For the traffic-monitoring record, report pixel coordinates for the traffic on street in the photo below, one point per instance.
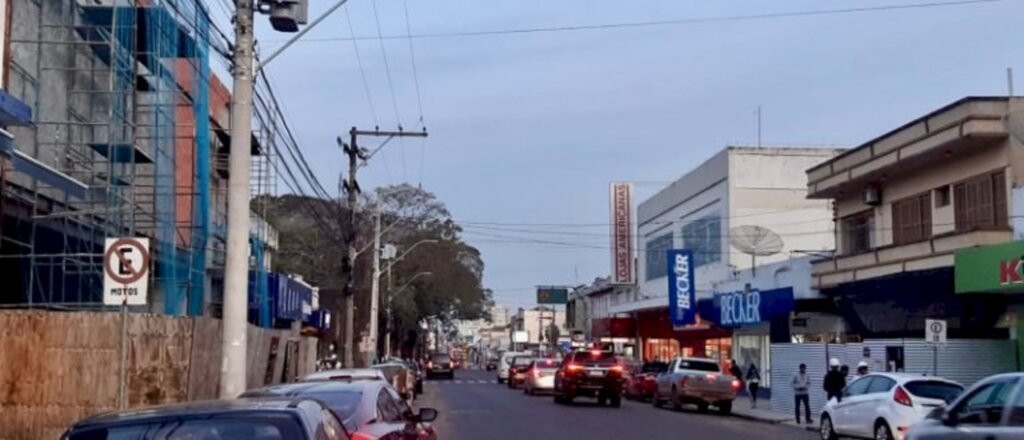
(475, 406)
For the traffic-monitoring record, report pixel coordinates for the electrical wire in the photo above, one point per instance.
(412, 57)
(387, 66)
(362, 71)
(681, 21)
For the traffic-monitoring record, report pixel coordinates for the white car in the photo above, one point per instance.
(506, 362)
(540, 376)
(991, 409)
(883, 406)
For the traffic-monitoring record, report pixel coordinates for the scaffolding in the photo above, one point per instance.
(121, 146)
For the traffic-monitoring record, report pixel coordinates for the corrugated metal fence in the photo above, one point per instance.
(965, 361)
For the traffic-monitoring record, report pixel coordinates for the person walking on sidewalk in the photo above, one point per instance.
(834, 381)
(736, 371)
(753, 383)
(801, 383)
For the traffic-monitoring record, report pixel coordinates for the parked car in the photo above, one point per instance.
(517, 370)
(440, 365)
(884, 405)
(506, 362)
(592, 374)
(369, 410)
(695, 381)
(643, 380)
(272, 419)
(400, 377)
(348, 374)
(991, 409)
(540, 376)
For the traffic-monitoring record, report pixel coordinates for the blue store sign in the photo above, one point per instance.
(751, 306)
(682, 292)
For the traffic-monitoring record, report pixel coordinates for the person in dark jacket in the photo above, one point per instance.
(834, 381)
(753, 383)
(736, 371)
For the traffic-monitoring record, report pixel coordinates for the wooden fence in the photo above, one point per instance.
(56, 367)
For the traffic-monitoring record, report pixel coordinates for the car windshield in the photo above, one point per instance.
(546, 364)
(249, 428)
(343, 403)
(653, 367)
(934, 389)
(441, 358)
(596, 358)
(522, 361)
(698, 365)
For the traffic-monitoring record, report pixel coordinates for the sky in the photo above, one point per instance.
(528, 129)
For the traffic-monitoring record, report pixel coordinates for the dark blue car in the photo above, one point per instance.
(243, 419)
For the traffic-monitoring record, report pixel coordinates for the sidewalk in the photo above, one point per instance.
(743, 410)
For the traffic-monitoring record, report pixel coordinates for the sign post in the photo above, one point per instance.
(935, 335)
(125, 283)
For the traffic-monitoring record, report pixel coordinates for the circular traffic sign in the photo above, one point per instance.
(937, 327)
(112, 255)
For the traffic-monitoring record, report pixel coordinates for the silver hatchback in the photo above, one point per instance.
(993, 409)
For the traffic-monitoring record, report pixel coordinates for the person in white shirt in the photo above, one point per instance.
(801, 385)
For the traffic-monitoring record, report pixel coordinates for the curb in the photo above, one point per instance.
(755, 418)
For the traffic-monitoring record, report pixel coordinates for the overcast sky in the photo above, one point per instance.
(528, 129)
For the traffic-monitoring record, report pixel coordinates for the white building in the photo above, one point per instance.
(533, 321)
(739, 186)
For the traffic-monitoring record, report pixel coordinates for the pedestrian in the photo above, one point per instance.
(845, 369)
(753, 383)
(735, 371)
(862, 368)
(801, 383)
(834, 381)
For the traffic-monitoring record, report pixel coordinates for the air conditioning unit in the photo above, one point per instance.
(872, 196)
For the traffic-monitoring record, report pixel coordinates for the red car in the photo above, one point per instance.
(644, 380)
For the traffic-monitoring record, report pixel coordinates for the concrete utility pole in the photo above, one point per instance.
(354, 152)
(236, 268)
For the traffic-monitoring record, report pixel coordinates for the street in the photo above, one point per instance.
(473, 406)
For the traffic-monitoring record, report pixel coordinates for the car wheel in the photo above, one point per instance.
(882, 431)
(725, 407)
(826, 430)
(676, 404)
(616, 401)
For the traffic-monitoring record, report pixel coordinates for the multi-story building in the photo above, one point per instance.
(912, 204)
(738, 187)
(536, 323)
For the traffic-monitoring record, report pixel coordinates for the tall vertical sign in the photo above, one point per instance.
(682, 292)
(621, 195)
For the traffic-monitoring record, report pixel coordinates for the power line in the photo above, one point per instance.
(696, 20)
(362, 71)
(387, 67)
(412, 56)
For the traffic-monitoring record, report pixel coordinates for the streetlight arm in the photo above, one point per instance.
(400, 257)
(409, 283)
(304, 30)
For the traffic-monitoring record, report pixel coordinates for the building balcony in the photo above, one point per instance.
(932, 253)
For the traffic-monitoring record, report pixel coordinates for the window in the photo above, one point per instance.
(857, 232)
(880, 385)
(912, 219)
(343, 403)
(985, 405)
(331, 429)
(255, 427)
(387, 411)
(858, 387)
(704, 237)
(980, 203)
(942, 196)
(934, 389)
(699, 366)
(655, 261)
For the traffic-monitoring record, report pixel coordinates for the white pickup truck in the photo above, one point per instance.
(696, 381)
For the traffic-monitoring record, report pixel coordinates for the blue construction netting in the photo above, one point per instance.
(201, 201)
(159, 59)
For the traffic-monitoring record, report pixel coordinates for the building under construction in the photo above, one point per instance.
(114, 127)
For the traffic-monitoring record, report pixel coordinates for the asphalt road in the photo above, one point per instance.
(474, 406)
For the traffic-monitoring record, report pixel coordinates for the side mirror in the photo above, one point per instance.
(426, 415)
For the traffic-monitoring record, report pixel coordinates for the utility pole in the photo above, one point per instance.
(236, 268)
(354, 152)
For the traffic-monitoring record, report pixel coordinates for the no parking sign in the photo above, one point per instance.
(126, 271)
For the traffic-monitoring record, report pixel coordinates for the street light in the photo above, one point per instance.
(391, 295)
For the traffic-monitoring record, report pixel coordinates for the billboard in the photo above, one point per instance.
(621, 195)
(552, 295)
(682, 292)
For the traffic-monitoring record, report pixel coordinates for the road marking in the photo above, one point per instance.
(458, 381)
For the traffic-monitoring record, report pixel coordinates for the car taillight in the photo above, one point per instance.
(430, 364)
(536, 373)
(736, 384)
(572, 368)
(362, 436)
(902, 397)
(616, 369)
(683, 381)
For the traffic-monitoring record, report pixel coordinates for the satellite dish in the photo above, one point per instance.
(756, 241)
(1014, 123)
